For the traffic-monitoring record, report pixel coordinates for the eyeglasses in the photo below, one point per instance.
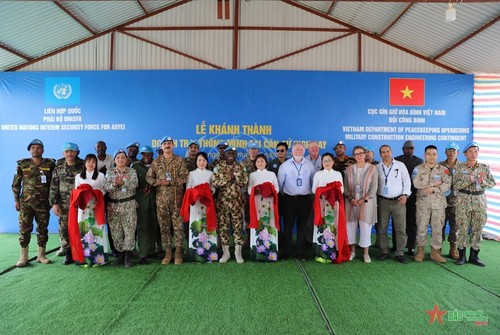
(280, 150)
(359, 154)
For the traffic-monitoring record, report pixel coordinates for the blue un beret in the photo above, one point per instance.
(133, 144)
(452, 145)
(470, 145)
(69, 146)
(166, 139)
(119, 151)
(252, 145)
(231, 149)
(35, 141)
(146, 148)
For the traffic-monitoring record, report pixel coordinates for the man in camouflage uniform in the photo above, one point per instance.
(431, 181)
(168, 174)
(132, 151)
(470, 181)
(31, 195)
(148, 230)
(249, 164)
(63, 182)
(190, 160)
(451, 162)
(341, 161)
(230, 177)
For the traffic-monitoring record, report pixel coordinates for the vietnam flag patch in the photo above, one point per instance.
(406, 92)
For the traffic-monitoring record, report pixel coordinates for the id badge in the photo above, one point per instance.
(123, 190)
(386, 190)
(299, 181)
(358, 189)
(43, 179)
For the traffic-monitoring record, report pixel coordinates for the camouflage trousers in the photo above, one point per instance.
(471, 219)
(41, 214)
(122, 221)
(63, 231)
(451, 219)
(434, 217)
(230, 214)
(168, 217)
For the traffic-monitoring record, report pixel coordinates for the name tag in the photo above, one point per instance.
(299, 182)
(43, 179)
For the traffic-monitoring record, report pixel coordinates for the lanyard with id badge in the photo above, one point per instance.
(43, 177)
(299, 180)
(386, 189)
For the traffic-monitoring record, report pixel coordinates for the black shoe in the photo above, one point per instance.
(461, 257)
(411, 252)
(402, 259)
(143, 261)
(128, 259)
(393, 249)
(300, 257)
(383, 257)
(68, 258)
(119, 258)
(474, 259)
(284, 257)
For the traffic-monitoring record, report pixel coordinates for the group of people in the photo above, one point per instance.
(129, 207)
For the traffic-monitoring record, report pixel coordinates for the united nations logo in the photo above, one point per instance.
(62, 91)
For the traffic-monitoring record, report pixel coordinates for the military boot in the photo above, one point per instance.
(68, 257)
(461, 257)
(419, 257)
(474, 259)
(436, 256)
(40, 257)
(128, 259)
(237, 253)
(23, 259)
(453, 251)
(225, 254)
(119, 258)
(168, 256)
(178, 256)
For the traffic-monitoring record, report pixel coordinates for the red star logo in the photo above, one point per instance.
(434, 314)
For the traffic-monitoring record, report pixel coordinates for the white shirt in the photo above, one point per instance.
(261, 176)
(316, 162)
(197, 177)
(97, 184)
(393, 180)
(108, 161)
(324, 177)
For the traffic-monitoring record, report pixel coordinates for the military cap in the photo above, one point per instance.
(69, 146)
(252, 145)
(146, 148)
(452, 145)
(133, 144)
(369, 148)
(222, 144)
(338, 143)
(166, 139)
(34, 142)
(230, 149)
(119, 151)
(193, 142)
(470, 145)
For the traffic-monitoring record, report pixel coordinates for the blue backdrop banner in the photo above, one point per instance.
(266, 107)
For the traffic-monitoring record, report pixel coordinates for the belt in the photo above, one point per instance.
(117, 201)
(396, 198)
(297, 195)
(472, 193)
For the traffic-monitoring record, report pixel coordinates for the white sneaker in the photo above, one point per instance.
(367, 258)
(353, 255)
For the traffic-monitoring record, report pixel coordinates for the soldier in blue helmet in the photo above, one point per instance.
(470, 182)
(31, 187)
(148, 231)
(132, 151)
(61, 186)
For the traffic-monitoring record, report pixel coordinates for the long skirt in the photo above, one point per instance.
(94, 237)
(264, 239)
(325, 236)
(202, 243)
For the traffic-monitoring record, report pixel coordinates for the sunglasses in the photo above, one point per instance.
(280, 150)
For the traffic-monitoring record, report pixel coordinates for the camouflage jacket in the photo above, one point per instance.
(450, 196)
(63, 182)
(32, 183)
(461, 178)
(423, 176)
(230, 188)
(190, 163)
(173, 167)
(249, 165)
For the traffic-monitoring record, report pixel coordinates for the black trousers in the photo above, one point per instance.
(296, 210)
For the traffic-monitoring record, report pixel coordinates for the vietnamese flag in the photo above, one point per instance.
(406, 92)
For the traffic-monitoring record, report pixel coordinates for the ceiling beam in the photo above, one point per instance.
(315, 29)
(74, 17)
(466, 38)
(396, 20)
(15, 52)
(380, 39)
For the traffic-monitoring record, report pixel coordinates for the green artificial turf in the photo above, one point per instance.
(251, 298)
